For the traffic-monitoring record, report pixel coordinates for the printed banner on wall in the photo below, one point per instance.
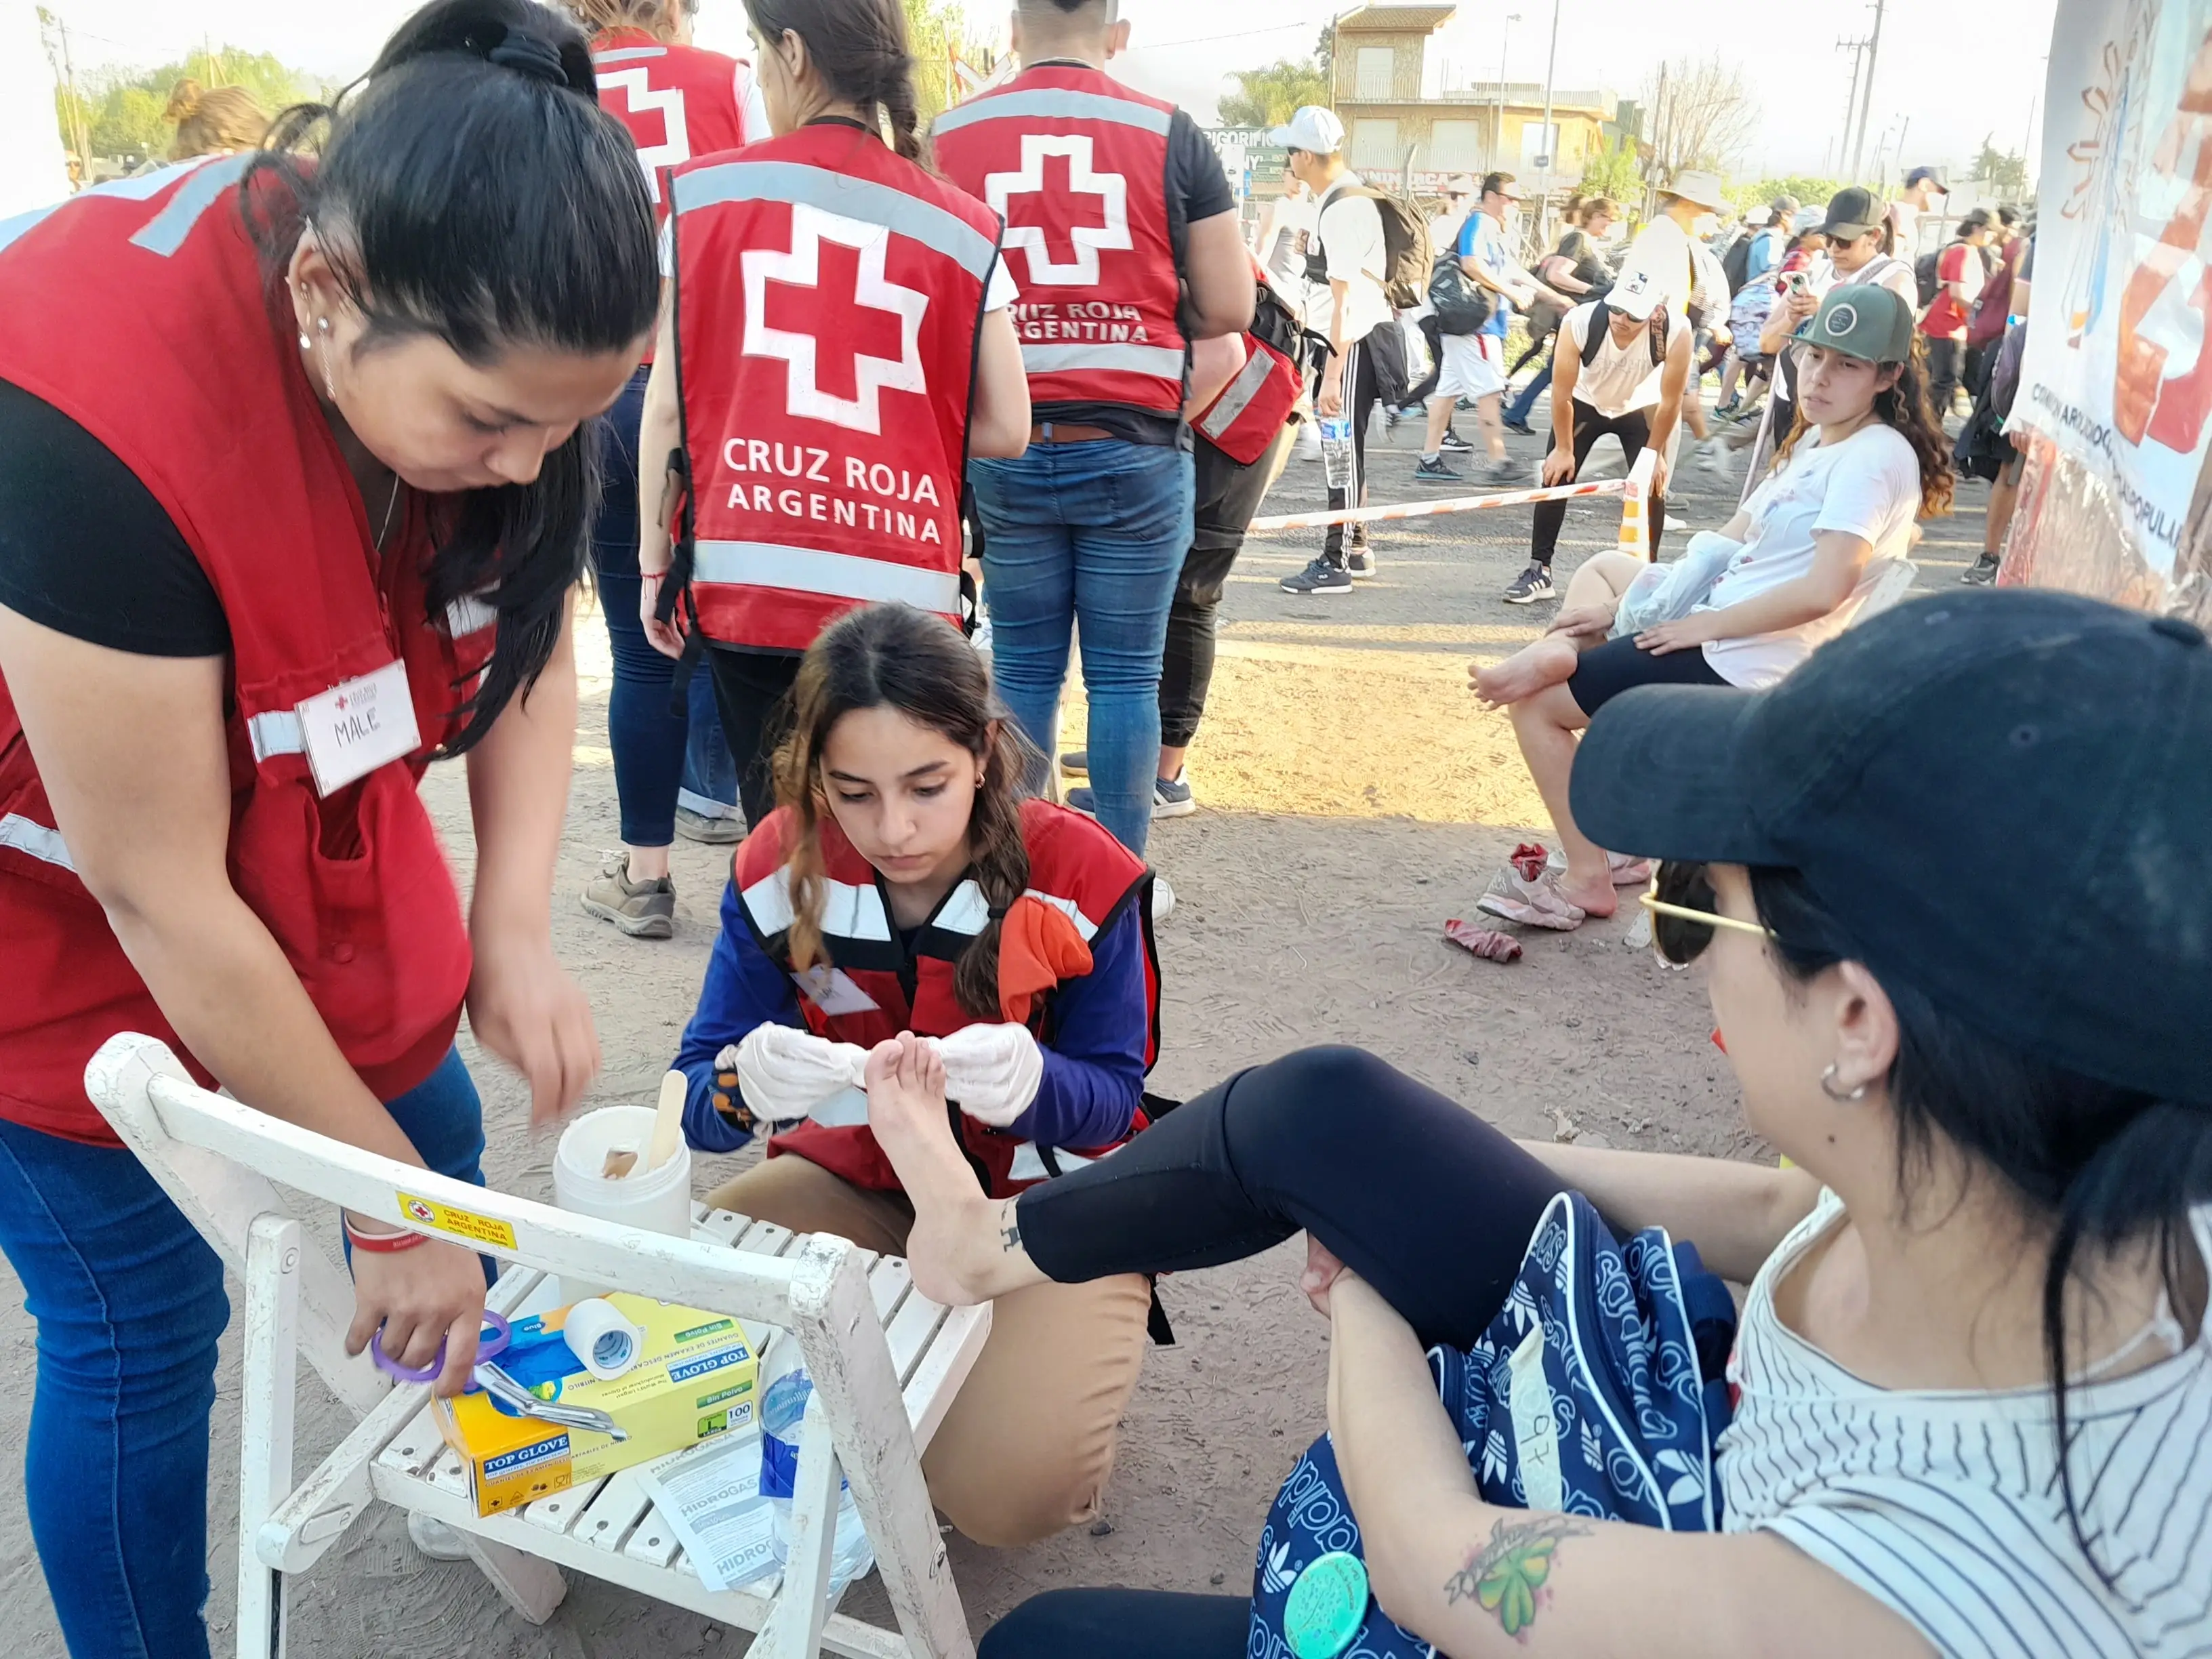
(2117, 378)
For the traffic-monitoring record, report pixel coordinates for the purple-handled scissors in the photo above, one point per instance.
(487, 1348)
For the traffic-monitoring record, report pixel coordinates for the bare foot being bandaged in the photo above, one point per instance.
(965, 1246)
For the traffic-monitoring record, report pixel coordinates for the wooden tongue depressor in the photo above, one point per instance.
(619, 1161)
(668, 1120)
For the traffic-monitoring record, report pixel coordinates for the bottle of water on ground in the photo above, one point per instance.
(785, 1387)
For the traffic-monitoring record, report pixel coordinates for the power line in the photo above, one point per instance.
(1233, 34)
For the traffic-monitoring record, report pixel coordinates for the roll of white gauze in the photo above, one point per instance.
(604, 1343)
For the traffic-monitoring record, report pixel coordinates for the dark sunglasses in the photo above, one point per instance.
(1685, 912)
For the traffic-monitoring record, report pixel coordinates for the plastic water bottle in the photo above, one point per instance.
(785, 1387)
(1336, 450)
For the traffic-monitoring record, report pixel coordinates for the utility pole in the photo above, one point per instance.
(1858, 50)
(81, 140)
(1497, 132)
(1866, 90)
(1551, 137)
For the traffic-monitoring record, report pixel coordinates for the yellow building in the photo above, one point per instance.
(1404, 131)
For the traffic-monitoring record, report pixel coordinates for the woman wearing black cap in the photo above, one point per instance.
(1993, 1245)
(304, 511)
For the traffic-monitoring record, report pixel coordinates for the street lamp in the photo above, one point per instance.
(1498, 132)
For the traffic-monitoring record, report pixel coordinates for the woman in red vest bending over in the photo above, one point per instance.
(902, 884)
(672, 770)
(302, 511)
(838, 346)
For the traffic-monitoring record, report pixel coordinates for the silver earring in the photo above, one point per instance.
(306, 344)
(1828, 1086)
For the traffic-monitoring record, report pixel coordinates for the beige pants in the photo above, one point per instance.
(1028, 1446)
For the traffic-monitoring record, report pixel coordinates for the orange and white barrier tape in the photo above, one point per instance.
(1634, 491)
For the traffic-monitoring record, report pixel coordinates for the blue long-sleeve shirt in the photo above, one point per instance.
(1094, 1070)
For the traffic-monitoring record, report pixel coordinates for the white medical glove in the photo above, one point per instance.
(784, 1072)
(993, 1071)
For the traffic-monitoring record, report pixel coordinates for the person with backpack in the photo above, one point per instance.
(1621, 366)
(1370, 254)
(1577, 267)
(1993, 310)
(1958, 275)
(1474, 293)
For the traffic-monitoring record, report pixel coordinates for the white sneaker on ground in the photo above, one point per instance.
(1163, 899)
(1525, 890)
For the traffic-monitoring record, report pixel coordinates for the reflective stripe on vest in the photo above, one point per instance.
(1134, 359)
(848, 911)
(627, 55)
(30, 836)
(1237, 395)
(164, 233)
(965, 910)
(840, 194)
(832, 575)
(277, 731)
(1053, 104)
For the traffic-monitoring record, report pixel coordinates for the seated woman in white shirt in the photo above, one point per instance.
(1862, 463)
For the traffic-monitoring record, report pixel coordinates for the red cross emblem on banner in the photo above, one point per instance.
(1057, 171)
(867, 341)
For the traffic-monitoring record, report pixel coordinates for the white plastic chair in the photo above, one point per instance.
(1889, 585)
(886, 1363)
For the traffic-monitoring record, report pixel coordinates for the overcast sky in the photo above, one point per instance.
(1954, 70)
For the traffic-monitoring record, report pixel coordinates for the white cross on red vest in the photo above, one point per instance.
(1056, 170)
(825, 331)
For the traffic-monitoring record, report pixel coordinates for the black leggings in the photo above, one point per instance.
(1415, 1194)
(1228, 495)
(752, 692)
(1634, 431)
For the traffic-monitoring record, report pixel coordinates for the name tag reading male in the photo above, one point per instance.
(357, 726)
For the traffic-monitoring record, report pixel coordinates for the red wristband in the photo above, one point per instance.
(382, 1244)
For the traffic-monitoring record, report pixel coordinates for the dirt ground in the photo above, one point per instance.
(1355, 796)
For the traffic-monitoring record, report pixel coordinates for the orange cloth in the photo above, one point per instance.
(1038, 949)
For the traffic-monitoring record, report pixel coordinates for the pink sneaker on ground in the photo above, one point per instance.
(1525, 892)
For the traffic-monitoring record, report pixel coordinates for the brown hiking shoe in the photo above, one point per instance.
(643, 909)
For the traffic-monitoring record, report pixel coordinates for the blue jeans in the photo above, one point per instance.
(1517, 410)
(130, 1305)
(662, 759)
(1088, 535)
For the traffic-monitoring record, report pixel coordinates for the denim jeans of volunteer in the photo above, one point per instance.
(663, 760)
(130, 1305)
(1089, 537)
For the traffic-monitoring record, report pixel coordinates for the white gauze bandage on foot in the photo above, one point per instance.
(787, 1074)
(993, 1072)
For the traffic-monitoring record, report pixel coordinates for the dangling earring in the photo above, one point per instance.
(1828, 1086)
(323, 327)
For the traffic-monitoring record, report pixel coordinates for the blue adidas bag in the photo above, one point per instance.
(1597, 1390)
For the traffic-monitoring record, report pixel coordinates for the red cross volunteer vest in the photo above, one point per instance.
(1075, 866)
(1077, 164)
(193, 384)
(828, 297)
(677, 101)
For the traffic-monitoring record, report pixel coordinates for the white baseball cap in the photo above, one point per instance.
(1636, 295)
(1312, 128)
(1699, 187)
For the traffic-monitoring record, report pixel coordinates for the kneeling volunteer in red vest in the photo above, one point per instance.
(837, 346)
(930, 897)
(301, 512)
